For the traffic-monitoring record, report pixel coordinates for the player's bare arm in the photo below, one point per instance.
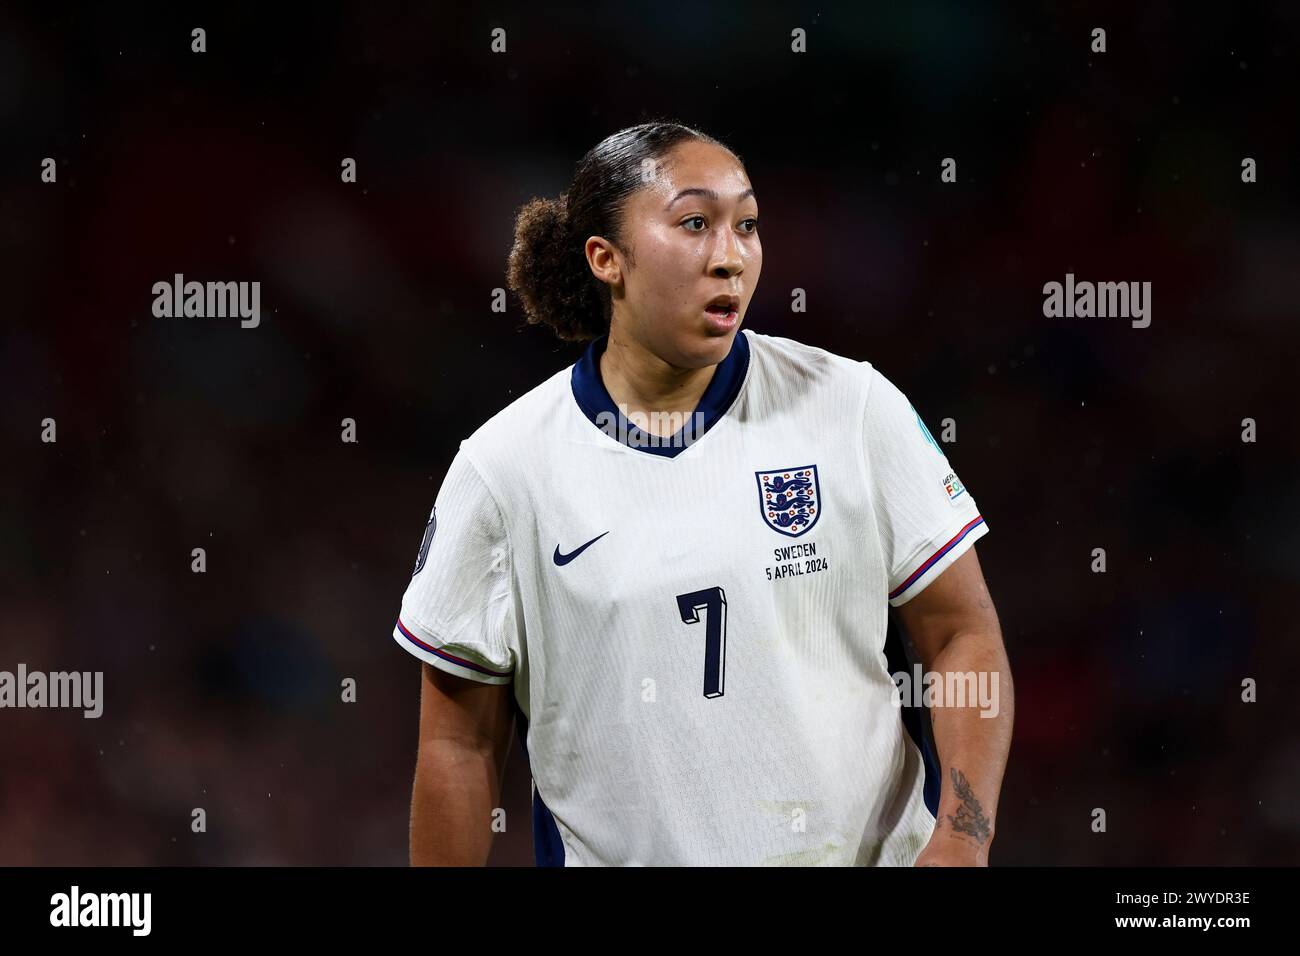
(465, 732)
(954, 627)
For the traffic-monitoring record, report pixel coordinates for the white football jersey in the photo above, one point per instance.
(694, 630)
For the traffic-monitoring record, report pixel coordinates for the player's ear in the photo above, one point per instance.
(602, 257)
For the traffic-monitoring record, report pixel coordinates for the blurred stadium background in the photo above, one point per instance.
(222, 689)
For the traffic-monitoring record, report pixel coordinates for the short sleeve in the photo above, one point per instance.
(458, 612)
(926, 517)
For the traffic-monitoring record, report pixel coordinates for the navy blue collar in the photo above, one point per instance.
(594, 399)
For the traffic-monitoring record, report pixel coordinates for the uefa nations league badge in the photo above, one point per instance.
(789, 499)
(429, 528)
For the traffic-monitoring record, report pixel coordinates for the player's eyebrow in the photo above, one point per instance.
(707, 194)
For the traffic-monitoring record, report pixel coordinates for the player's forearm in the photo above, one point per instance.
(973, 737)
(456, 789)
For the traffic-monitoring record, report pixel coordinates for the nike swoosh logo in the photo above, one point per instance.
(562, 559)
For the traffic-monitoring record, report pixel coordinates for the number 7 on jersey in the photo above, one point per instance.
(713, 601)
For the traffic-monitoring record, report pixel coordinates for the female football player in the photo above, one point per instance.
(674, 562)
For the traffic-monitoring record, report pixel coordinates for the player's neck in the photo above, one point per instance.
(639, 381)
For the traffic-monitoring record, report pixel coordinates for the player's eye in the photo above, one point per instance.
(753, 224)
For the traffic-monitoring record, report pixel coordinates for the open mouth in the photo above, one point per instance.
(724, 308)
(723, 318)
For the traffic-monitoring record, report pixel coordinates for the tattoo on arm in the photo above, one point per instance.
(969, 818)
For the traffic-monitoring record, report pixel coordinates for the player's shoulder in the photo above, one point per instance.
(789, 367)
(780, 351)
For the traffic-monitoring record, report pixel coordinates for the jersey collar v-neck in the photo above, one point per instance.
(594, 399)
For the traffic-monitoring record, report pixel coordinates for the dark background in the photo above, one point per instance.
(222, 690)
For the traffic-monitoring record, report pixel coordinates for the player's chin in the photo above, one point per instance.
(709, 349)
(699, 343)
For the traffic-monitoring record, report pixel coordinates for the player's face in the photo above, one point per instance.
(694, 237)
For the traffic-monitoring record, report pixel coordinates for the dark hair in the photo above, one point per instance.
(548, 268)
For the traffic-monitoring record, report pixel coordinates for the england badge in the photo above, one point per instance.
(789, 499)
